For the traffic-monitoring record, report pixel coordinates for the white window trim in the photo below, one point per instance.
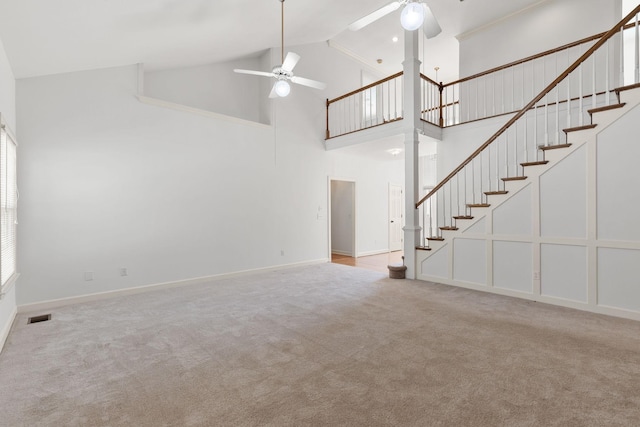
(11, 281)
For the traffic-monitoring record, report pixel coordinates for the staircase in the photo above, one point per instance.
(524, 241)
(601, 117)
(524, 215)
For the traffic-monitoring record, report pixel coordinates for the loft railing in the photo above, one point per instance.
(498, 91)
(505, 89)
(564, 103)
(373, 105)
(431, 101)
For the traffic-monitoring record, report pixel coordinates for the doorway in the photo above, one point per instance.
(342, 222)
(396, 219)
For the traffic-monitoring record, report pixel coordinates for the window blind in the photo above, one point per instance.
(8, 207)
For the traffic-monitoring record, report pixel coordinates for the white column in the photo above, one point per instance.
(411, 123)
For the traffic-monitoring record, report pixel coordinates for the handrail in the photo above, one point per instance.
(614, 30)
(429, 80)
(362, 89)
(533, 57)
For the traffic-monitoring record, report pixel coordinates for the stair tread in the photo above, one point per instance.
(628, 87)
(423, 248)
(449, 228)
(578, 128)
(438, 239)
(478, 205)
(553, 147)
(514, 178)
(606, 108)
(539, 162)
(463, 217)
(495, 193)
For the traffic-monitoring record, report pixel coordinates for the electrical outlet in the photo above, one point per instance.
(282, 252)
(536, 275)
(123, 271)
(88, 276)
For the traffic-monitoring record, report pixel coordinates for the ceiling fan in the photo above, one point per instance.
(414, 15)
(284, 73)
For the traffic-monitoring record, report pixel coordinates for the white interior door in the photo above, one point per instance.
(395, 217)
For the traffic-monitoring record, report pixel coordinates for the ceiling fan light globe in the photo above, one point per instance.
(282, 88)
(412, 16)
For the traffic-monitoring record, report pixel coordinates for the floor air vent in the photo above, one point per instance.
(38, 319)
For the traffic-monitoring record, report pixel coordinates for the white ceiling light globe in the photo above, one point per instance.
(412, 16)
(282, 88)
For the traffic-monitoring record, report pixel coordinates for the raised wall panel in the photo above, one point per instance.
(618, 189)
(470, 261)
(479, 227)
(437, 265)
(563, 197)
(513, 217)
(619, 278)
(563, 272)
(512, 266)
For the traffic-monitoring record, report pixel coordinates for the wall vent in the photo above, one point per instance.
(38, 319)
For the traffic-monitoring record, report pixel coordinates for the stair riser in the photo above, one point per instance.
(630, 97)
(603, 118)
(579, 137)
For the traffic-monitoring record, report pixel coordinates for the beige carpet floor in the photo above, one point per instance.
(326, 345)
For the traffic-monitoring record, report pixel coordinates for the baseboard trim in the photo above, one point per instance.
(596, 309)
(345, 253)
(51, 304)
(377, 252)
(4, 334)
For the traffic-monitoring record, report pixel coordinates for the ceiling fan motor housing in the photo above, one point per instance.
(282, 74)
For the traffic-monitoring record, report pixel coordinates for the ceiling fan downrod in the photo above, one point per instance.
(282, 32)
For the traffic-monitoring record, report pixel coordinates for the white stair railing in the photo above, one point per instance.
(542, 124)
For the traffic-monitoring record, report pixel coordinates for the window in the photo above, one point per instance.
(8, 207)
(369, 101)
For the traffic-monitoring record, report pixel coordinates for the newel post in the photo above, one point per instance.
(327, 132)
(441, 119)
(411, 122)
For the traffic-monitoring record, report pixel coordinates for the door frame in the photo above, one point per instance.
(353, 214)
(391, 184)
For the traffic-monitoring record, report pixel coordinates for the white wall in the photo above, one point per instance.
(108, 182)
(546, 26)
(8, 112)
(235, 97)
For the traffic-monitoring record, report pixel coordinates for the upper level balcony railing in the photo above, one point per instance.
(373, 105)
(501, 90)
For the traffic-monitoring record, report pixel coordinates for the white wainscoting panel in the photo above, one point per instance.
(564, 272)
(563, 197)
(513, 266)
(437, 265)
(479, 227)
(618, 185)
(619, 278)
(470, 261)
(513, 217)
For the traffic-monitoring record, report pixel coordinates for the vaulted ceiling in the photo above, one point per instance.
(46, 37)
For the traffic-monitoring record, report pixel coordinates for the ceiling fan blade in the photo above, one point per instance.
(430, 27)
(273, 93)
(290, 61)
(374, 16)
(256, 73)
(308, 82)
